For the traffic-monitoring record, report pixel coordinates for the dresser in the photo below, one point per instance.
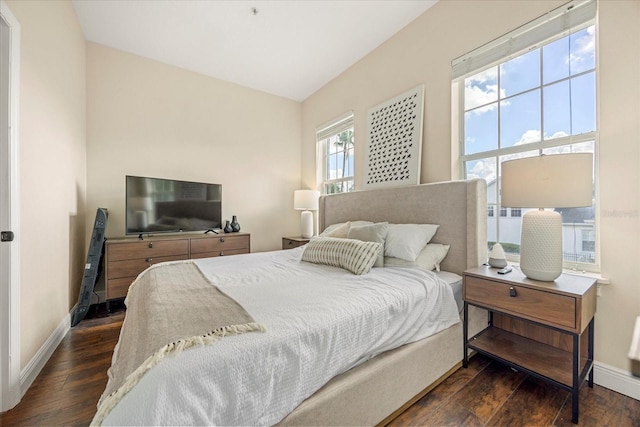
(126, 258)
(545, 329)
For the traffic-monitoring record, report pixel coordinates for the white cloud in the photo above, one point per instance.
(528, 137)
(483, 169)
(583, 51)
(481, 89)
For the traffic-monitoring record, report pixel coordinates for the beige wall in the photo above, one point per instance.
(619, 192)
(52, 167)
(150, 119)
(422, 52)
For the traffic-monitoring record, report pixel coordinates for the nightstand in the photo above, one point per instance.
(294, 242)
(545, 329)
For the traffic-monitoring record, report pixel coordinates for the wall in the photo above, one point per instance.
(422, 52)
(619, 192)
(150, 119)
(52, 167)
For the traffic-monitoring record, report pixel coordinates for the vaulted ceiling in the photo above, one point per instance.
(286, 48)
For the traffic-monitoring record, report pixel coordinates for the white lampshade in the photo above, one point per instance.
(556, 181)
(306, 200)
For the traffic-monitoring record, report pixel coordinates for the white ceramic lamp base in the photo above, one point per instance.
(541, 245)
(306, 224)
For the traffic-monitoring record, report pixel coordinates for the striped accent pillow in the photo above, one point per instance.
(354, 255)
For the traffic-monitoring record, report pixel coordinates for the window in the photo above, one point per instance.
(336, 155)
(541, 100)
(490, 210)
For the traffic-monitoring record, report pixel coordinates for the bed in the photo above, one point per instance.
(378, 386)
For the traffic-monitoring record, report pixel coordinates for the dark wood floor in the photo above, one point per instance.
(485, 394)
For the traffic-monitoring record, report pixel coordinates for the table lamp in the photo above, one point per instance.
(548, 181)
(306, 201)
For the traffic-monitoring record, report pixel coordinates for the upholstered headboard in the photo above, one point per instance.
(459, 207)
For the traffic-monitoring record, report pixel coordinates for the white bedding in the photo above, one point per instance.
(320, 321)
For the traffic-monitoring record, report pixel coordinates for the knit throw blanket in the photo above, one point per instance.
(170, 307)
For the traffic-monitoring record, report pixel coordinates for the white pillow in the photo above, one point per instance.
(430, 258)
(337, 230)
(370, 233)
(355, 256)
(341, 229)
(405, 241)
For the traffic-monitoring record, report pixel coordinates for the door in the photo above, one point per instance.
(9, 213)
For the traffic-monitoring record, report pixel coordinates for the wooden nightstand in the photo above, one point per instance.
(545, 329)
(294, 242)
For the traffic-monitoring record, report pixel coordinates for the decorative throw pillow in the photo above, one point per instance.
(353, 255)
(430, 258)
(405, 241)
(370, 233)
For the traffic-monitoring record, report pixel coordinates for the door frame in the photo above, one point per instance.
(10, 387)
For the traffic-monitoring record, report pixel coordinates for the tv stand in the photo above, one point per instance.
(128, 257)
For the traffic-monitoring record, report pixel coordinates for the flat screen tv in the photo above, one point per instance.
(155, 205)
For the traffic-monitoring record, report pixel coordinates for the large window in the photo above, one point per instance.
(541, 100)
(336, 155)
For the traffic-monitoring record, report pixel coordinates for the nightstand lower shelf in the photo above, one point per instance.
(540, 360)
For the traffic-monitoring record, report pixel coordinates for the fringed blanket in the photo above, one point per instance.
(170, 307)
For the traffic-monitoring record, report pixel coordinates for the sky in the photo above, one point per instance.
(503, 103)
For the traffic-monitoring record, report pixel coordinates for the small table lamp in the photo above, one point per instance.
(553, 181)
(306, 201)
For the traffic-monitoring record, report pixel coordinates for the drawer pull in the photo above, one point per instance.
(222, 240)
(512, 291)
(150, 245)
(149, 260)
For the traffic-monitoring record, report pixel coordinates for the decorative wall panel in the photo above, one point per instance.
(394, 141)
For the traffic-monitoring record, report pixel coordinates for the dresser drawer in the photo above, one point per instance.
(545, 307)
(118, 288)
(132, 267)
(219, 245)
(148, 249)
(220, 253)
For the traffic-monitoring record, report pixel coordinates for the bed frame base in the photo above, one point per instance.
(419, 396)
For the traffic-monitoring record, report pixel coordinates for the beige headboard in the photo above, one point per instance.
(460, 207)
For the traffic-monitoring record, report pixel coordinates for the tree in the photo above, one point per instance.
(345, 142)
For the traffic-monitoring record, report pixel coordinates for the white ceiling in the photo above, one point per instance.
(288, 48)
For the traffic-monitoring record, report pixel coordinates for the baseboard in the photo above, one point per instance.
(617, 380)
(35, 365)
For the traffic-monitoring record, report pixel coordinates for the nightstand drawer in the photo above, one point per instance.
(293, 242)
(545, 307)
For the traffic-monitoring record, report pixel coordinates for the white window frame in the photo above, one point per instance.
(323, 133)
(557, 24)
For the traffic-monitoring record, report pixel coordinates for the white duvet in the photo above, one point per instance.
(320, 320)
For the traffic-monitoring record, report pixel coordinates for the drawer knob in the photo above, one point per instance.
(149, 259)
(150, 245)
(512, 291)
(222, 240)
